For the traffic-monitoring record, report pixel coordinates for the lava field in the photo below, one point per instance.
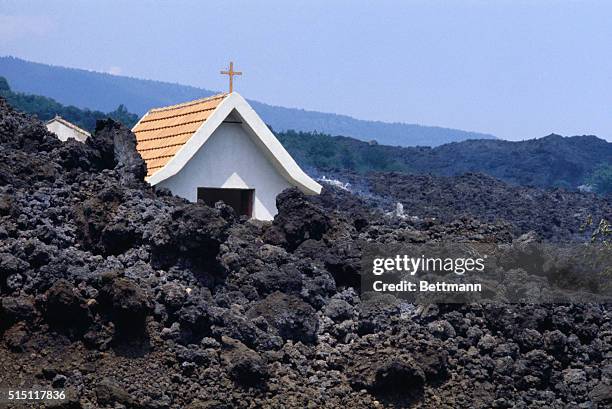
(127, 297)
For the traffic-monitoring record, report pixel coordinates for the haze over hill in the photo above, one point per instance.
(104, 92)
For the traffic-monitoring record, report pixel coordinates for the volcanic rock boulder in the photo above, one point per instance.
(343, 260)
(389, 374)
(6, 204)
(376, 312)
(173, 296)
(235, 325)
(111, 147)
(602, 395)
(117, 149)
(534, 370)
(109, 393)
(118, 237)
(194, 321)
(245, 366)
(191, 235)
(65, 309)
(16, 337)
(397, 377)
(9, 265)
(432, 358)
(125, 303)
(297, 220)
(97, 231)
(291, 317)
(74, 157)
(287, 279)
(15, 309)
(23, 132)
(27, 150)
(338, 310)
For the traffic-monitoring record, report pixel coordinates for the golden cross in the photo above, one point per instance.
(231, 74)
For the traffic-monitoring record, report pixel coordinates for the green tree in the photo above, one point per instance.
(601, 178)
(346, 159)
(4, 85)
(121, 114)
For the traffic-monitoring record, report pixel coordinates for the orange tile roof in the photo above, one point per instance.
(162, 132)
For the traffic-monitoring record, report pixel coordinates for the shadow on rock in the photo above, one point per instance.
(65, 310)
(127, 306)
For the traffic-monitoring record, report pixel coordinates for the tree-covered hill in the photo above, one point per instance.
(46, 108)
(552, 161)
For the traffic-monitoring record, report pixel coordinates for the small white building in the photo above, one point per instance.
(218, 148)
(66, 130)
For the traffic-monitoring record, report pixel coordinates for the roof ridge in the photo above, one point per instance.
(189, 103)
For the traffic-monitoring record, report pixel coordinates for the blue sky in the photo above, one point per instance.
(516, 69)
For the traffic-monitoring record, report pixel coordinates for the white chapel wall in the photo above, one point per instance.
(230, 159)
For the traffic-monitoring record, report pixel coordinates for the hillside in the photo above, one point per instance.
(552, 161)
(104, 92)
(555, 214)
(46, 108)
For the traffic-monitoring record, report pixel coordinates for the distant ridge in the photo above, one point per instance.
(104, 92)
(551, 161)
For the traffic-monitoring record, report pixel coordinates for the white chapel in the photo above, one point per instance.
(218, 148)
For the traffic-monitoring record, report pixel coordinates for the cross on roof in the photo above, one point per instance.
(231, 74)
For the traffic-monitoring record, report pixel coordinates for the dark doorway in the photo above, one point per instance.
(241, 200)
